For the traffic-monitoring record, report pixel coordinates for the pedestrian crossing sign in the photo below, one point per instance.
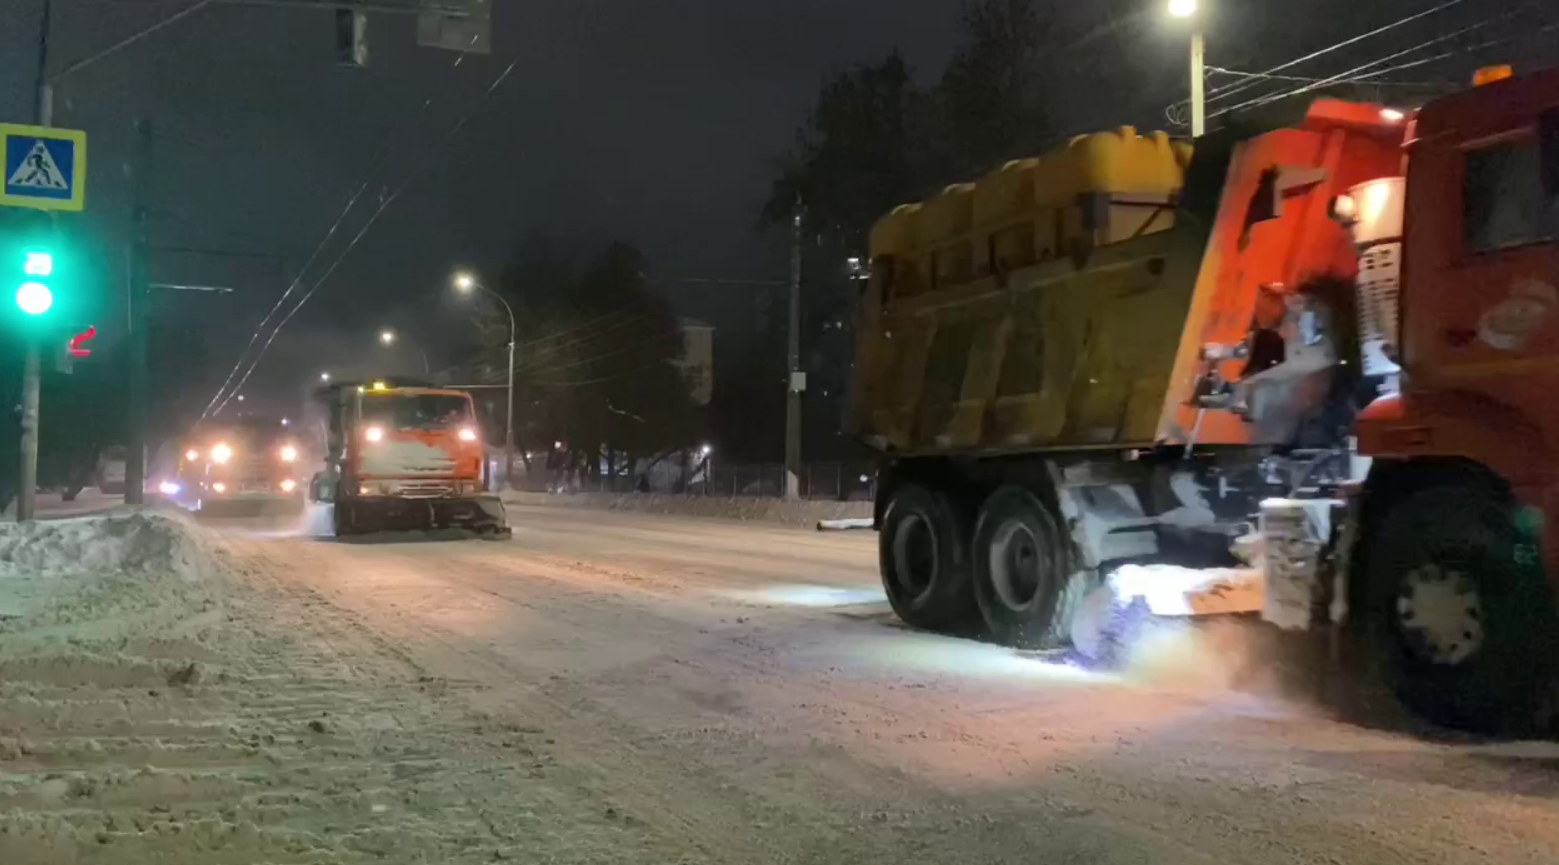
(44, 168)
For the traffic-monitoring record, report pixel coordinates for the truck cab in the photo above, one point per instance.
(256, 459)
(404, 454)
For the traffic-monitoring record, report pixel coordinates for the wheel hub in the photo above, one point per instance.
(1015, 565)
(1440, 614)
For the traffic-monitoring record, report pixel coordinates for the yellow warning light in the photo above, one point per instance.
(1491, 74)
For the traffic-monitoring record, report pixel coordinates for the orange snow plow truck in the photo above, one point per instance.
(404, 455)
(1305, 372)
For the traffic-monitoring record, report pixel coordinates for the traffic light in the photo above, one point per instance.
(77, 347)
(34, 296)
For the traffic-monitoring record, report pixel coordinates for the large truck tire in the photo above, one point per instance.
(923, 554)
(1023, 581)
(1461, 618)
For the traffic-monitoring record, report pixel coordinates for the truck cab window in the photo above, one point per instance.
(1505, 202)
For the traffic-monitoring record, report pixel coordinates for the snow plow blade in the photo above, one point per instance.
(481, 515)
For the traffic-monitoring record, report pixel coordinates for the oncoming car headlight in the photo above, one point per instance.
(289, 454)
(221, 454)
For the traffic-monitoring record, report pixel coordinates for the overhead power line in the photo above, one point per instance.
(380, 159)
(453, 131)
(1361, 72)
(1230, 89)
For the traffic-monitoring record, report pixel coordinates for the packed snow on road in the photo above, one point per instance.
(614, 687)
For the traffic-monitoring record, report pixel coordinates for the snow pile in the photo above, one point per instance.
(99, 577)
(136, 543)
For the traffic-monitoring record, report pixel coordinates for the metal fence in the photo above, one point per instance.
(818, 481)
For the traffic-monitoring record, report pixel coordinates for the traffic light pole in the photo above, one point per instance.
(27, 476)
(139, 297)
(27, 479)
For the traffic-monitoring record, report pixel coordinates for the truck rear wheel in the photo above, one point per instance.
(1463, 618)
(923, 553)
(1021, 578)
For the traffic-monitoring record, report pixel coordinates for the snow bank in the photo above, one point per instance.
(107, 577)
(135, 543)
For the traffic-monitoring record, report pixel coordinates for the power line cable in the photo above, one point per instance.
(377, 164)
(624, 350)
(384, 204)
(1230, 89)
(1355, 72)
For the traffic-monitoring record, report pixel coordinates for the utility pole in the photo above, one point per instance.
(798, 379)
(137, 297)
(1198, 83)
(27, 476)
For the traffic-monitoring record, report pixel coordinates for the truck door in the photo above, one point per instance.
(1483, 315)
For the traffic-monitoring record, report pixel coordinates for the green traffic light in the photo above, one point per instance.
(34, 298)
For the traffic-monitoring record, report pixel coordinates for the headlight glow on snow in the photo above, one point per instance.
(221, 454)
(374, 433)
(289, 454)
(467, 434)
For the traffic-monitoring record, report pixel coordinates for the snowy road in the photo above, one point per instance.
(610, 687)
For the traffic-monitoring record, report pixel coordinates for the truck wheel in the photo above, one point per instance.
(1021, 579)
(923, 555)
(1463, 618)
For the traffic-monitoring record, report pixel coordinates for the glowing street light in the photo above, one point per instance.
(324, 376)
(465, 283)
(387, 337)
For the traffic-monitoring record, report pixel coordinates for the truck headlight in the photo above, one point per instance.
(467, 434)
(221, 454)
(374, 433)
(191, 455)
(289, 454)
(288, 485)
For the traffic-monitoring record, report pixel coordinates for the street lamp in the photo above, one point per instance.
(324, 376)
(1188, 10)
(465, 283)
(387, 337)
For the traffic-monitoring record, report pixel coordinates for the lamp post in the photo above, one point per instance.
(1188, 10)
(465, 283)
(388, 338)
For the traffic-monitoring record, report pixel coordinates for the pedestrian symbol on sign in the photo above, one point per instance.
(42, 167)
(38, 171)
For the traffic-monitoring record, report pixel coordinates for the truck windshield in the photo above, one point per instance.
(417, 411)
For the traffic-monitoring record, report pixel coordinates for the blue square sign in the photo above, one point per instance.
(44, 168)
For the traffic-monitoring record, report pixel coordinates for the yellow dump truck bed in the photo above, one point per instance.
(1063, 301)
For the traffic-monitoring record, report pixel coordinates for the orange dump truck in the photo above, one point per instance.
(1302, 372)
(404, 455)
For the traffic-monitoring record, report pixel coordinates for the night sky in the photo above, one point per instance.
(652, 121)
